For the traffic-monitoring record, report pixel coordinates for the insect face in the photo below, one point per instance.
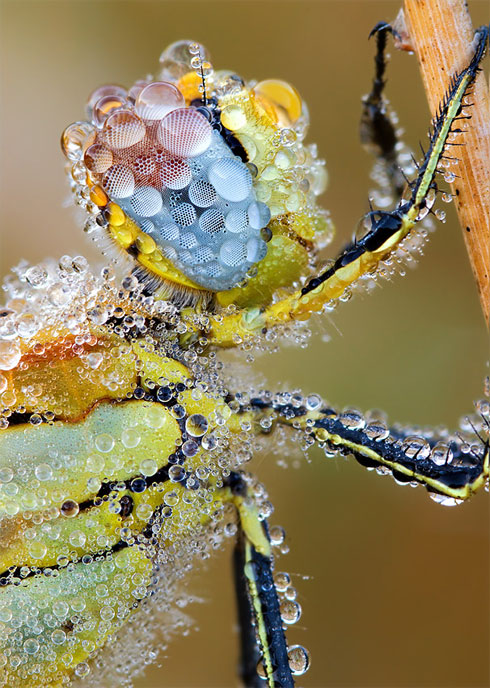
(202, 179)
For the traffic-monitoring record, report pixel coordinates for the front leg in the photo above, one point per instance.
(385, 232)
(377, 131)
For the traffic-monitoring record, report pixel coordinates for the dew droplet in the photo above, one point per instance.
(313, 402)
(290, 611)
(277, 535)
(43, 471)
(148, 467)
(130, 438)
(104, 442)
(69, 508)
(298, 659)
(196, 425)
(415, 447)
(10, 355)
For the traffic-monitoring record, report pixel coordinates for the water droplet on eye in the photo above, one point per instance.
(146, 201)
(196, 425)
(123, 129)
(258, 214)
(73, 139)
(231, 179)
(290, 611)
(298, 659)
(158, 99)
(118, 181)
(185, 132)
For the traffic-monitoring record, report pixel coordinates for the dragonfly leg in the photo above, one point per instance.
(263, 640)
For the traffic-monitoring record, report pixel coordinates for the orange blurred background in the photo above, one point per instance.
(397, 588)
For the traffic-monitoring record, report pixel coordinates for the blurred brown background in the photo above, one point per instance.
(398, 588)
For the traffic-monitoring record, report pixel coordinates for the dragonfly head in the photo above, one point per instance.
(201, 178)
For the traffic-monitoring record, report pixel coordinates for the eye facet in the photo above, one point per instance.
(185, 133)
(231, 179)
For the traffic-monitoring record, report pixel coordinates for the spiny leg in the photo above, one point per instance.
(386, 232)
(257, 599)
(249, 651)
(451, 467)
(377, 131)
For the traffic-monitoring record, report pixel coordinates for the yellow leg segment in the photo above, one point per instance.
(387, 232)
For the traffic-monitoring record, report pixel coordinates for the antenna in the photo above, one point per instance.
(203, 79)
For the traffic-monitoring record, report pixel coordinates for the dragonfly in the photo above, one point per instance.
(135, 293)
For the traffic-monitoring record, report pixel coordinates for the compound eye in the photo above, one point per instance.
(177, 178)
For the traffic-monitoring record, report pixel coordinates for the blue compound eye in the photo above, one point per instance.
(178, 179)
